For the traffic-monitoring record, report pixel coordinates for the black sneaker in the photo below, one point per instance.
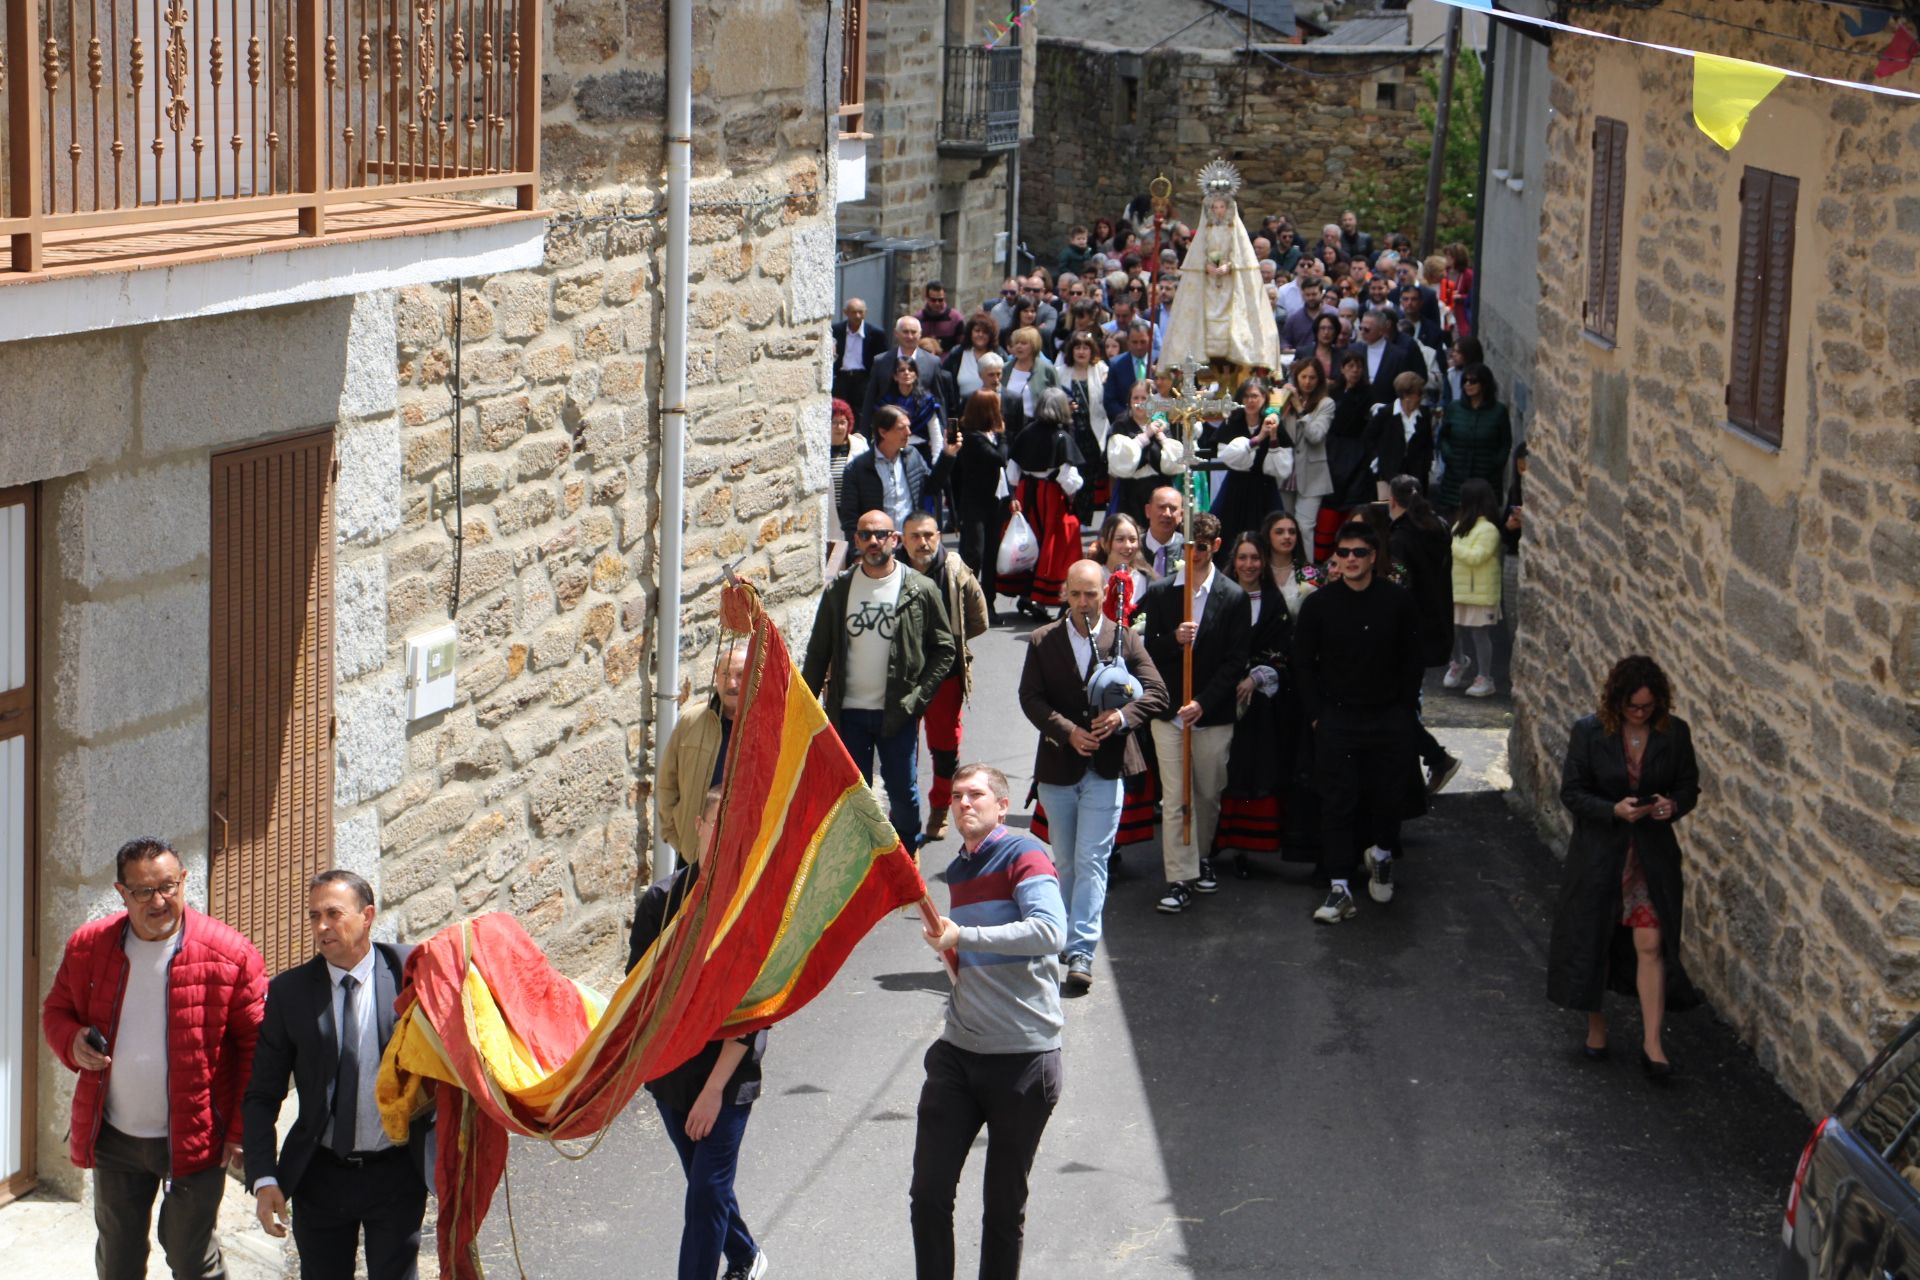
(1338, 906)
(1176, 899)
(1206, 883)
(752, 1271)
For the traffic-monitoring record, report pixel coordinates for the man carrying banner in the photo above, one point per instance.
(997, 1063)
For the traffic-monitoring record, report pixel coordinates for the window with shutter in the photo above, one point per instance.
(1606, 222)
(1762, 305)
(19, 914)
(271, 689)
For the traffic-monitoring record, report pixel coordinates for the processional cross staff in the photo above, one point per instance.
(1187, 409)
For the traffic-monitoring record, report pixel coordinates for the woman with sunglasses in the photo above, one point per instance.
(1476, 437)
(1629, 776)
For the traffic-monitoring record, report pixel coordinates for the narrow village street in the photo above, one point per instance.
(1246, 1094)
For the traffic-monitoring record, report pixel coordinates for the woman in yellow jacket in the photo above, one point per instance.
(1476, 588)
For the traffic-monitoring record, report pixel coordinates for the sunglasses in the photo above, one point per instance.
(1353, 553)
(872, 535)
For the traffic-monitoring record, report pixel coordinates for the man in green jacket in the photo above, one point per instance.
(880, 648)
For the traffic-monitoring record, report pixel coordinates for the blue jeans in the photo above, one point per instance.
(713, 1226)
(1082, 820)
(860, 731)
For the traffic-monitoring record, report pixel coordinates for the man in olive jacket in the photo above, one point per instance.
(880, 648)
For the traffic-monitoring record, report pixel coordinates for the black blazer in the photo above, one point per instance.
(880, 382)
(1053, 696)
(298, 1039)
(873, 341)
(861, 490)
(1387, 444)
(978, 469)
(1401, 356)
(1219, 647)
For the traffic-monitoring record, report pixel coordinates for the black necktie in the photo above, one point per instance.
(346, 1084)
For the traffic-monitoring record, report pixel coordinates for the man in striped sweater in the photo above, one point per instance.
(997, 1062)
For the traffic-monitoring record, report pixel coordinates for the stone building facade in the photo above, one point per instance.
(1778, 584)
(937, 186)
(530, 794)
(1117, 117)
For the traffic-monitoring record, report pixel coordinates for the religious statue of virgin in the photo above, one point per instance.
(1221, 315)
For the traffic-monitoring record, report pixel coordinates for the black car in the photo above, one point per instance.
(1854, 1210)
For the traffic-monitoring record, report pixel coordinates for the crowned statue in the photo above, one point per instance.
(1221, 315)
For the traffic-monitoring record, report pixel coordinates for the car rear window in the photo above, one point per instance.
(1885, 1109)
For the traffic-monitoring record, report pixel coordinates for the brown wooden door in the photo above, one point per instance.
(271, 704)
(19, 913)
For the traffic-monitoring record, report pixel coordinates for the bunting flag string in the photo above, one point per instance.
(997, 32)
(1726, 90)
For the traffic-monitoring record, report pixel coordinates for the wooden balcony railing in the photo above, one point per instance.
(853, 70)
(123, 113)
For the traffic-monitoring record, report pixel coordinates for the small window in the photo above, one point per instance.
(1606, 211)
(1130, 99)
(1385, 96)
(1762, 300)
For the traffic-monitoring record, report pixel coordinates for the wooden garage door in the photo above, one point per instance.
(19, 916)
(271, 731)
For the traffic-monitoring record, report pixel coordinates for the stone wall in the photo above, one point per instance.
(530, 794)
(914, 192)
(125, 423)
(1781, 589)
(1116, 119)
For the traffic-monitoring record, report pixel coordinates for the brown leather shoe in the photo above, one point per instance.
(937, 824)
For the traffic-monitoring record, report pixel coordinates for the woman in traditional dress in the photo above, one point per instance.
(1258, 454)
(1251, 806)
(1296, 578)
(1046, 467)
(1144, 452)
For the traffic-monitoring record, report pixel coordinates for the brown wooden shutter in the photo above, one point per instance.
(1762, 304)
(1606, 217)
(19, 862)
(271, 727)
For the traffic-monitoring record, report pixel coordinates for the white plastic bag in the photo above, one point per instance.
(1019, 549)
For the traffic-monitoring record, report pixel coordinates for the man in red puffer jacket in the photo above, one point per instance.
(157, 1007)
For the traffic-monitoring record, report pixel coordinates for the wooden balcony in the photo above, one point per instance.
(137, 133)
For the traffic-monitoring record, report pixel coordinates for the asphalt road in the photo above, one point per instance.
(1247, 1094)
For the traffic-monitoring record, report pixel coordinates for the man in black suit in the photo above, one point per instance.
(1218, 636)
(327, 1024)
(1354, 242)
(1388, 356)
(853, 356)
(906, 345)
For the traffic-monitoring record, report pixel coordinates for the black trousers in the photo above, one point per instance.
(1012, 1094)
(980, 542)
(1362, 760)
(127, 1172)
(335, 1202)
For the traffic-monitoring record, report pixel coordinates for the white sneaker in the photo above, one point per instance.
(1379, 875)
(1482, 687)
(1456, 675)
(1338, 907)
(752, 1271)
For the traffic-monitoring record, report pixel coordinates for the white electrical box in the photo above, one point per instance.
(430, 671)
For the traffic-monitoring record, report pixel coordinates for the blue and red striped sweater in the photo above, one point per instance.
(1006, 900)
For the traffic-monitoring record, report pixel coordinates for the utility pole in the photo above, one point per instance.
(1443, 111)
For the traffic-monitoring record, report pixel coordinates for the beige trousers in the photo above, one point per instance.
(1182, 859)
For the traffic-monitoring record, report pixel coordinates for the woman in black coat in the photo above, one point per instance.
(1629, 776)
(979, 488)
(1251, 807)
(1418, 540)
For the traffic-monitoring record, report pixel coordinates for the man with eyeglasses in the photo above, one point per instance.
(891, 477)
(1357, 667)
(879, 649)
(158, 1008)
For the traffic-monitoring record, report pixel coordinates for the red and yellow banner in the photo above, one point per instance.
(804, 863)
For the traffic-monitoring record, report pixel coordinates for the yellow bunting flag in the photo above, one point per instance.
(1725, 92)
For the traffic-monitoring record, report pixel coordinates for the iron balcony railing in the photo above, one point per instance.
(980, 107)
(120, 113)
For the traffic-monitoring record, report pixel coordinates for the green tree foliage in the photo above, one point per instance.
(1396, 200)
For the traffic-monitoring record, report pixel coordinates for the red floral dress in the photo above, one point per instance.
(1636, 904)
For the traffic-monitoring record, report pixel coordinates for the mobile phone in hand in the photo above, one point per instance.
(97, 1041)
